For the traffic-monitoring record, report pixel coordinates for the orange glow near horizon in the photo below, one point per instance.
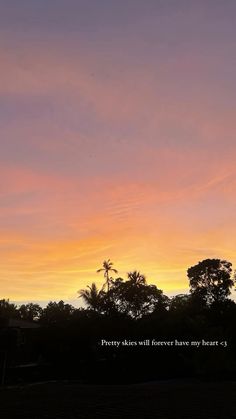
(117, 142)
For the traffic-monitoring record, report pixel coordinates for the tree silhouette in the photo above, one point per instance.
(56, 313)
(210, 280)
(107, 268)
(134, 297)
(92, 296)
(8, 309)
(30, 311)
(68, 339)
(180, 302)
(136, 278)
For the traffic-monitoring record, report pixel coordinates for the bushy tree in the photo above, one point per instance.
(134, 297)
(180, 302)
(8, 309)
(210, 280)
(56, 313)
(30, 311)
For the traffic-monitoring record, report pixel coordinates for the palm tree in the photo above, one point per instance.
(91, 296)
(136, 278)
(107, 268)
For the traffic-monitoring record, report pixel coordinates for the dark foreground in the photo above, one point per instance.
(162, 400)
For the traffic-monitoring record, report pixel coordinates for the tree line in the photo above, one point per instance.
(211, 282)
(67, 341)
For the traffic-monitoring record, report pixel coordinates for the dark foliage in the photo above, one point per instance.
(67, 343)
(210, 280)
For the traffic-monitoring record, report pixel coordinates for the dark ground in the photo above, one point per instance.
(161, 400)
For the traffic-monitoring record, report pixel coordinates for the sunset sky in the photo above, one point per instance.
(118, 124)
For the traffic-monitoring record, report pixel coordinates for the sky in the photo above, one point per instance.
(117, 123)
